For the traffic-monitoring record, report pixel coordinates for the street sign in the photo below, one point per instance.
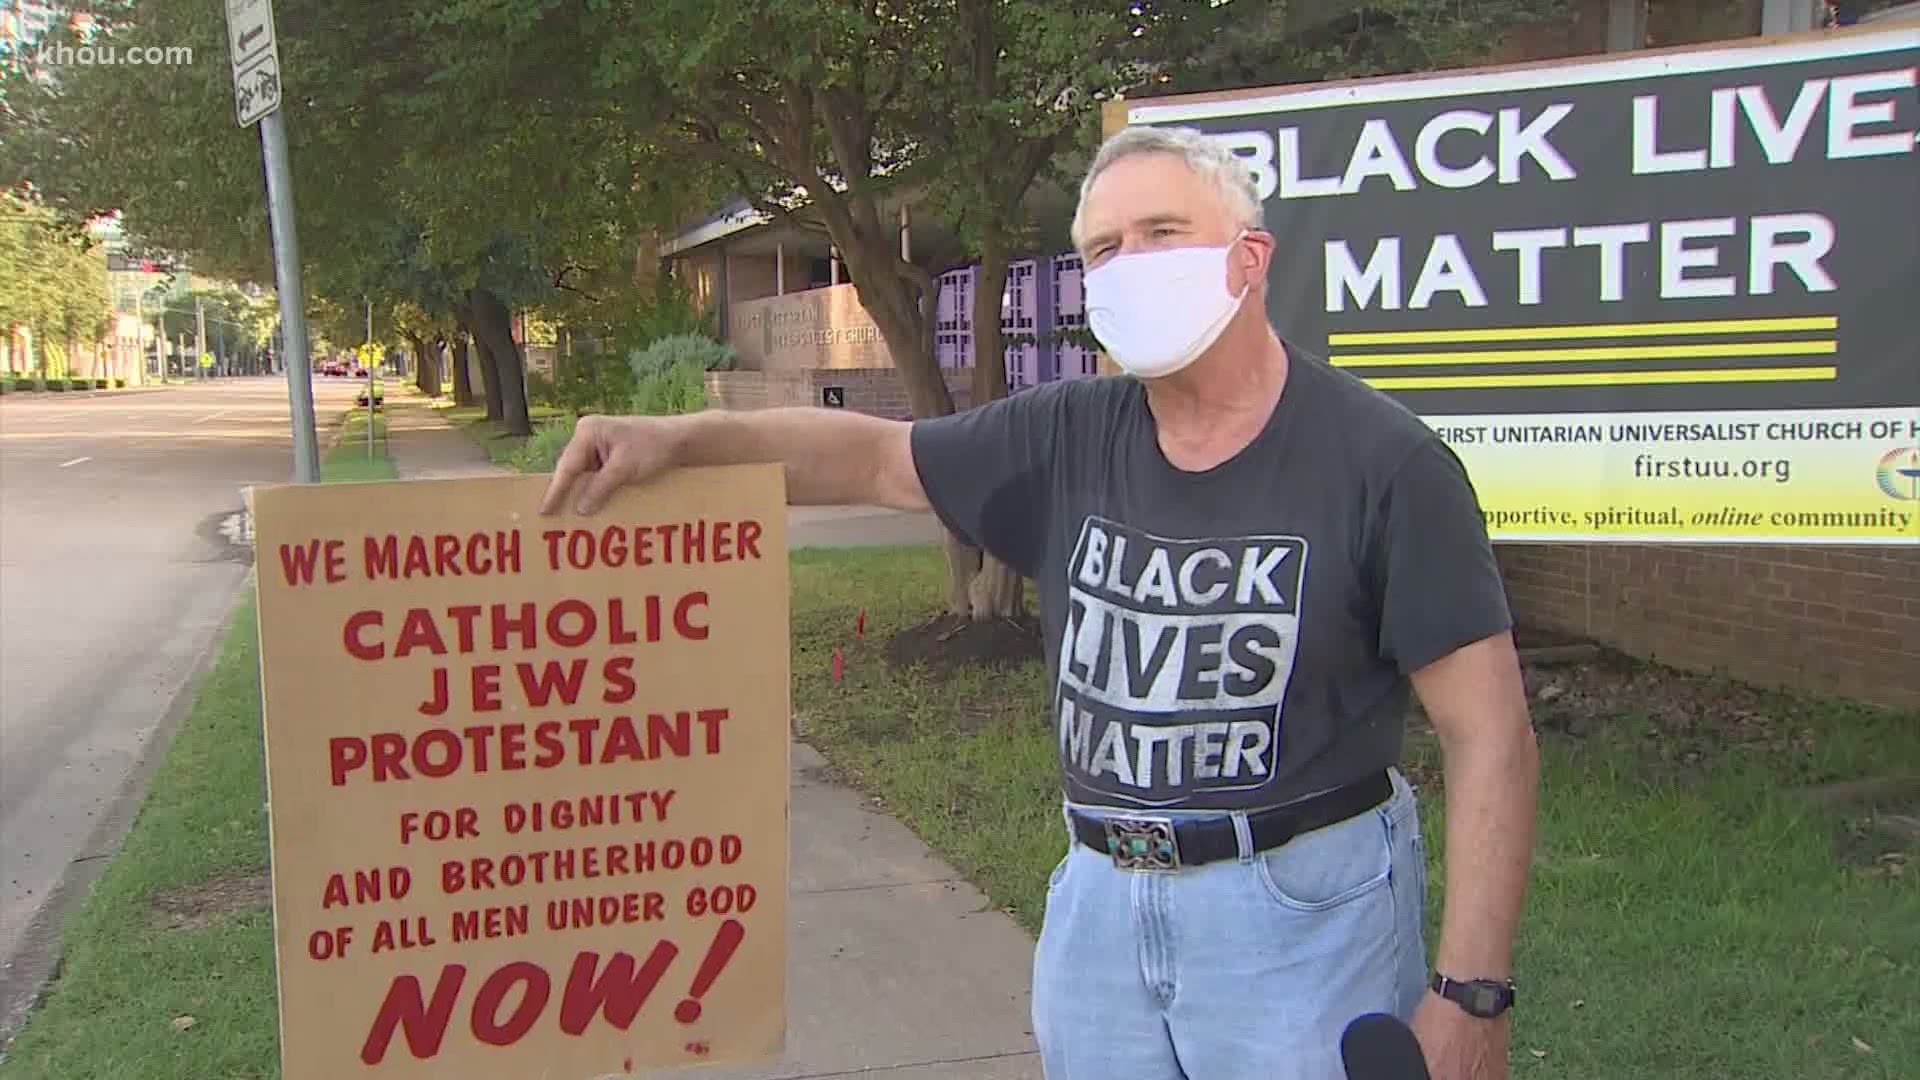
(833, 397)
(256, 59)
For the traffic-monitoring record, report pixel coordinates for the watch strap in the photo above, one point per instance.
(1486, 998)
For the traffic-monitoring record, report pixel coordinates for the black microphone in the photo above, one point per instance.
(1379, 1047)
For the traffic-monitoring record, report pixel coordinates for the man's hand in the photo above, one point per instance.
(606, 453)
(1459, 1046)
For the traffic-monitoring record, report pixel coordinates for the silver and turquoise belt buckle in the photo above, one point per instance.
(1143, 843)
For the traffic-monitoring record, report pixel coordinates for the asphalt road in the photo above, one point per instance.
(115, 580)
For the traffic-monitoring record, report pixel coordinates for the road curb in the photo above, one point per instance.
(28, 973)
(70, 395)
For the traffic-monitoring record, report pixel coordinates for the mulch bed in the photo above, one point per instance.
(947, 642)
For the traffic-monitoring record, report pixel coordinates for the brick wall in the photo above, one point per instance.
(874, 391)
(738, 390)
(1842, 620)
(813, 328)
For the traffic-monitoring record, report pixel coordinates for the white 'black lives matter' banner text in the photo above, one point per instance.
(1650, 297)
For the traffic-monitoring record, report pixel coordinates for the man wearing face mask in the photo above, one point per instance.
(1245, 560)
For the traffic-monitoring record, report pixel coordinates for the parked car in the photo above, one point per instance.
(333, 368)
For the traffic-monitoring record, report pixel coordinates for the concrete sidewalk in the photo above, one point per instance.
(858, 526)
(898, 969)
(425, 446)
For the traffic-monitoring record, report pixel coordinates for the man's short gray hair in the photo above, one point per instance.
(1210, 159)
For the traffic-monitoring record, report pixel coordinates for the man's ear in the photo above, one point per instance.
(1255, 254)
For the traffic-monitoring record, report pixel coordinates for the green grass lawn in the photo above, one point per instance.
(1690, 921)
(1686, 921)
(348, 461)
(125, 978)
(502, 448)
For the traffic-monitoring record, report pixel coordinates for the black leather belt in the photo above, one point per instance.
(1147, 842)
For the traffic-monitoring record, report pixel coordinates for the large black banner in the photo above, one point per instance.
(1661, 296)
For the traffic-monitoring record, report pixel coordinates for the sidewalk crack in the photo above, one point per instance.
(873, 886)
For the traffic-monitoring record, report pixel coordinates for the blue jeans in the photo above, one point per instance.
(1241, 968)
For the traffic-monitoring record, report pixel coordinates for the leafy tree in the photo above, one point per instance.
(53, 282)
(1314, 40)
(1012, 88)
(795, 102)
(426, 333)
(373, 131)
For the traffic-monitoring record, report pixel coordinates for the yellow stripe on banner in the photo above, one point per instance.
(1605, 352)
(1599, 330)
(1604, 378)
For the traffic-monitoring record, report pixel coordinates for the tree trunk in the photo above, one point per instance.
(494, 325)
(426, 366)
(902, 299)
(437, 348)
(898, 294)
(893, 299)
(904, 310)
(995, 591)
(462, 377)
(489, 369)
(490, 378)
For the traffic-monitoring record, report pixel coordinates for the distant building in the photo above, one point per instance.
(23, 22)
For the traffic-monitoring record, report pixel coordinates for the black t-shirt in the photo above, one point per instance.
(1234, 638)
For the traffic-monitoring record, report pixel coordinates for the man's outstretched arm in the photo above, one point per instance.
(832, 458)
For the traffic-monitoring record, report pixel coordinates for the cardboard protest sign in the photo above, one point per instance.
(528, 775)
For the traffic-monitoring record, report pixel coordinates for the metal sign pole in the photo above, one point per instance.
(255, 54)
(370, 362)
(293, 316)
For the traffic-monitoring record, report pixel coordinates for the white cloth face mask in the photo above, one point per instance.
(1155, 312)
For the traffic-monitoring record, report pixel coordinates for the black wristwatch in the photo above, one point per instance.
(1484, 998)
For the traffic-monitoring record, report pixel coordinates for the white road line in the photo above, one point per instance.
(213, 416)
(75, 461)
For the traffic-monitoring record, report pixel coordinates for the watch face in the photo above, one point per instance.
(1485, 1001)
